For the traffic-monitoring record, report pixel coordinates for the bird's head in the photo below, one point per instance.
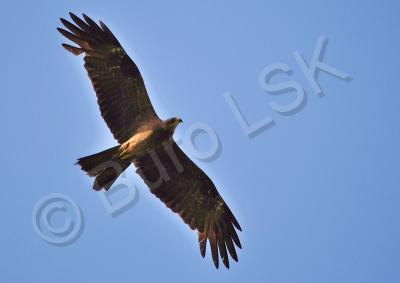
(172, 123)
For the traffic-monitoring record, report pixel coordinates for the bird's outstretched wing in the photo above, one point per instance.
(121, 93)
(188, 191)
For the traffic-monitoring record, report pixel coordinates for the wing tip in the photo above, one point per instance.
(216, 263)
(72, 14)
(86, 17)
(74, 50)
(238, 243)
(226, 262)
(237, 225)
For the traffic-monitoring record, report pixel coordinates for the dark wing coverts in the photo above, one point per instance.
(188, 191)
(120, 90)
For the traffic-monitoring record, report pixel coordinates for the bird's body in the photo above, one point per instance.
(147, 141)
(139, 144)
(147, 138)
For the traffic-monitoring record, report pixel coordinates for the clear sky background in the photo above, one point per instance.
(317, 194)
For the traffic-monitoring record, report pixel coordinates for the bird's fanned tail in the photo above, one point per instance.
(106, 166)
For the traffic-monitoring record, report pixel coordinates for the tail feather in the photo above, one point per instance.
(106, 166)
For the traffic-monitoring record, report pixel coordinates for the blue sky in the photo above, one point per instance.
(316, 194)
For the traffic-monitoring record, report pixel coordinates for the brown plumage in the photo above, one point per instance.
(147, 141)
(121, 93)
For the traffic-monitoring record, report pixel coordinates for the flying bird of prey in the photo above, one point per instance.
(147, 141)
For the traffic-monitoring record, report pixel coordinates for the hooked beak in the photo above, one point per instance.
(180, 121)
